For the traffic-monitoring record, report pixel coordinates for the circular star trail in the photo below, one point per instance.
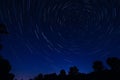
(76, 25)
(60, 33)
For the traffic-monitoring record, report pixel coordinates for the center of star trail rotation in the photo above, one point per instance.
(78, 24)
(59, 32)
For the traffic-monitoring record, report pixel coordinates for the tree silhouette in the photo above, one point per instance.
(73, 70)
(73, 73)
(62, 75)
(98, 72)
(5, 66)
(98, 66)
(114, 72)
(62, 72)
(114, 63)
(5, 69)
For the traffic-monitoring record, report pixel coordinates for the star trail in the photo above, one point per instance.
(48, 35)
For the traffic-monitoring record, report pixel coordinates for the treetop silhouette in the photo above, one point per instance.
(98, 66)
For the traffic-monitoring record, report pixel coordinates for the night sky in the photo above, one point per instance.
(49, 35)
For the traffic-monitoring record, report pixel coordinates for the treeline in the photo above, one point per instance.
(99, 72)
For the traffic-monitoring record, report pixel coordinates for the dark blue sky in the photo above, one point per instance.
(49, 35)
